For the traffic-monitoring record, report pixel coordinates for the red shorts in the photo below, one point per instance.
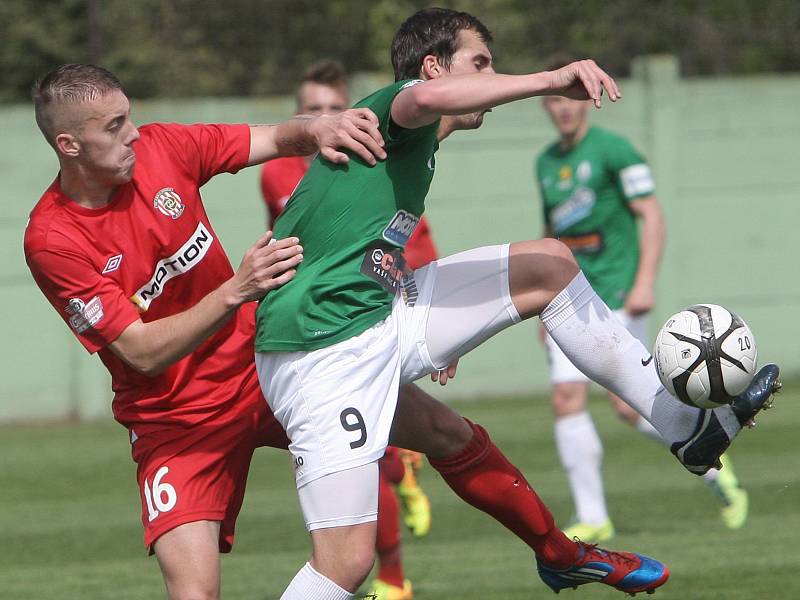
(199, 473)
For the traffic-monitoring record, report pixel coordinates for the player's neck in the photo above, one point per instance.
(83, 189)
(570, 140)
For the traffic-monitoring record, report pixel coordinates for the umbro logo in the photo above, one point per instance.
(113, 264)
(648, 361)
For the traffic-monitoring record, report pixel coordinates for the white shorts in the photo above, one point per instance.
(561, 368)
(337, 403)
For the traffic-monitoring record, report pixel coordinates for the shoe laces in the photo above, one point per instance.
(624, 559)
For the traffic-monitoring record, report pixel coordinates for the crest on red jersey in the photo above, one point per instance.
(169, 203)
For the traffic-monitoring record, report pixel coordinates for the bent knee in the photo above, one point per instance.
(538, 270)
(348, 569)
(424, 424)
(361, 562)
(442, 432)
(194, 592)
(569, 399)
(450, 433)
(545, 248)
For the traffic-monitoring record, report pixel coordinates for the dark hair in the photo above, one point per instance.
(557, 61)
(69, 84)
(326, 72)
(431, 31)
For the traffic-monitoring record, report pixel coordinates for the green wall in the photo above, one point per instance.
(723, 151)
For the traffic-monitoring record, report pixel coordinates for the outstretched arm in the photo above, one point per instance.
(422, 104)
(355, 130)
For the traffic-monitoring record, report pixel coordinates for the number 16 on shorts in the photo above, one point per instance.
(161, 497)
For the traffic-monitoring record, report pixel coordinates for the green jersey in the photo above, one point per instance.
(353, 221)
(586, 193)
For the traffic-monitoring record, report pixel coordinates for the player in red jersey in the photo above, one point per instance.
(324, 91)
(121, 246)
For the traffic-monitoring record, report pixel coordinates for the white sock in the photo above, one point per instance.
(601, 347)
(643, 426)
(581, 455)
(711, 475)
(309, 584)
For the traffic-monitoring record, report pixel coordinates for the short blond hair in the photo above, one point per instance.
(69, 84)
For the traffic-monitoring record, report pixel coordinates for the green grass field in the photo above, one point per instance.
(69, 516)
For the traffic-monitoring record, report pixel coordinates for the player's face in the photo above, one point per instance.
(567, 115)
(472, 56)
(104, 141)
(318, 99)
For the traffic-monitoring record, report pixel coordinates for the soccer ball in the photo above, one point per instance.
(705, 355)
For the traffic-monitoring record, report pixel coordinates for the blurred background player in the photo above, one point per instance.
(596, 188)
(324, 90)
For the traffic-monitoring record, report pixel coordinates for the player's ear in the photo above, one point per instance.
(67, 145)
(431, 67)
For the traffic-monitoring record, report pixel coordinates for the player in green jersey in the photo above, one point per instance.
(334, 345)
(595, 187)
(324, 90)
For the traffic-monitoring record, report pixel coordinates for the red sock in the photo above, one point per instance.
(483, 477)
(387, 543)
(391, 465)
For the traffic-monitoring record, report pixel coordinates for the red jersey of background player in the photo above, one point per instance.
(150, 253)
(279, 178)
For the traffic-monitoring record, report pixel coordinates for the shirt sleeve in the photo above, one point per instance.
(630, 169)
(276, 188)
(94, 307)
(381, 104)
(208, 150)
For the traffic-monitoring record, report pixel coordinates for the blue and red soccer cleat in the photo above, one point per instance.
(625, 571)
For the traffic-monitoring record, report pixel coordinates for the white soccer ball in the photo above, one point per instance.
(705, 355)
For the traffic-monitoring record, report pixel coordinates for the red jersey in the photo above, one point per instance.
(149, 253)
(279, 178)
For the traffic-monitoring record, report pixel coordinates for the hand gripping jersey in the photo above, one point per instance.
(279, 178)
(150, 253)
(586, 193)
(353, 222)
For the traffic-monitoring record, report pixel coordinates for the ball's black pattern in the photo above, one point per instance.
(711, 352)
